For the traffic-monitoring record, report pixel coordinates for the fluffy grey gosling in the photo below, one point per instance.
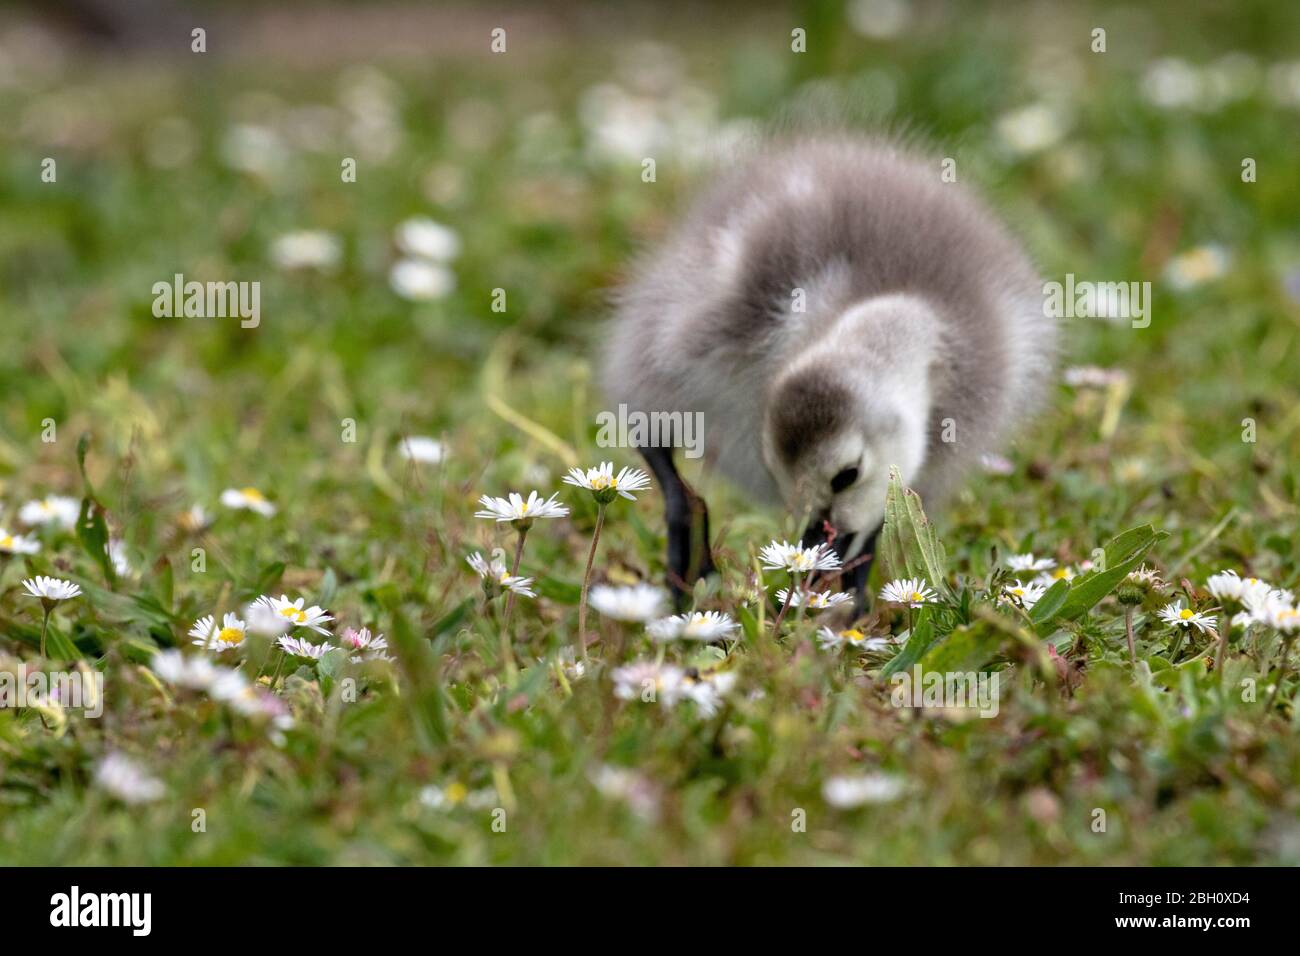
(832, 307)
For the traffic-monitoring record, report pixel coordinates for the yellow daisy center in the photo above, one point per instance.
(1018, 592)
(7, 541)
(294, 614)
(252, 494)
(230, 635)
(1186, 614)
(1061, 573)
(853, 635)
(917, 596)
(457, 792)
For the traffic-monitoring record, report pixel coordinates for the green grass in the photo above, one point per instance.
(179, 409)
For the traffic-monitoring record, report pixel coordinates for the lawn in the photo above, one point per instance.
(456, 290)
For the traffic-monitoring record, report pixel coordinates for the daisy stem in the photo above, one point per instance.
(586, 581)
(1220, 652)
(789, 598)
(45, 627)
(507, 652)
(278, 665)
(1128, 632)
(1281, 672)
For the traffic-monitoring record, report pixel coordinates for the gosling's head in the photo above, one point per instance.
(842, 413)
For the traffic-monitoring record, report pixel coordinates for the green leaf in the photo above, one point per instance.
(451, 620)
(909, 547)
(268, 577)
(329, 666)
(965, 649)
(329, 585)
(83, 446)
(162, 573)
(918, 642)
(426, 701)
(1050, 602)
(92, 532)
(1122, 555)
(561, 592)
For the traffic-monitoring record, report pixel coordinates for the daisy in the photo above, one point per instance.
(696, 626)
(1048, 578)
(997, 464)
(848, 792)
(362, 640)
(195, 519)
(784, 556)
(604, 485)
(301, 647)
(418, 281)
(830, 640)
(423, 238)
(229, 636)
(1027, 562)
(638, 602)
(121, 563)
(52, 509)
(633, 788)
(294, 612)
(817, 600)
(1226, 585)
(307, 249)
(17, 543)
(249, 499)
(647, 681)
(418, 448)
(192, 673)
(705, 691)
(1175, 615)
(1148, 577)
(50, 590)
(518, 511)
(1197, 266)
(1023, 595)
(910, 591)
(496, 574)
(1091, 376)
(126, 780)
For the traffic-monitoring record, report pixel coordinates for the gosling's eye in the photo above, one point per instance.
(843, 480)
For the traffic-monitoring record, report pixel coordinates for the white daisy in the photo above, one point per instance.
(1048, 578)
(1176, 615)
(638, 602)
(1022, 595)
(50, 590)
(294, 612)
(307, 249)
(849, 792)
(121, 563)
(418, 448)
(1091, 376)
(1226, 585)
(420, 281)
(705, 691)
(423, 238)
(816, 600)
(605, 485)
(126, 780)
(249, 499)
(495, 574)
(52, 509)
(910, 591)
(17, 543)
(1147, 576)
(829, 640)
(229, 636)
(301, 647)
(194, 519)
(1027, 562)
(646, 680)
(633, 788)
(696, 626)
(783, 556)
(193, 673)
(362, 640)
(1196, 266)
(516, 509)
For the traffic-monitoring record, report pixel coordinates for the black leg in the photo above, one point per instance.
(687, 518)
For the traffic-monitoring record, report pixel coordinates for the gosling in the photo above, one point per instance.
(832, 307)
